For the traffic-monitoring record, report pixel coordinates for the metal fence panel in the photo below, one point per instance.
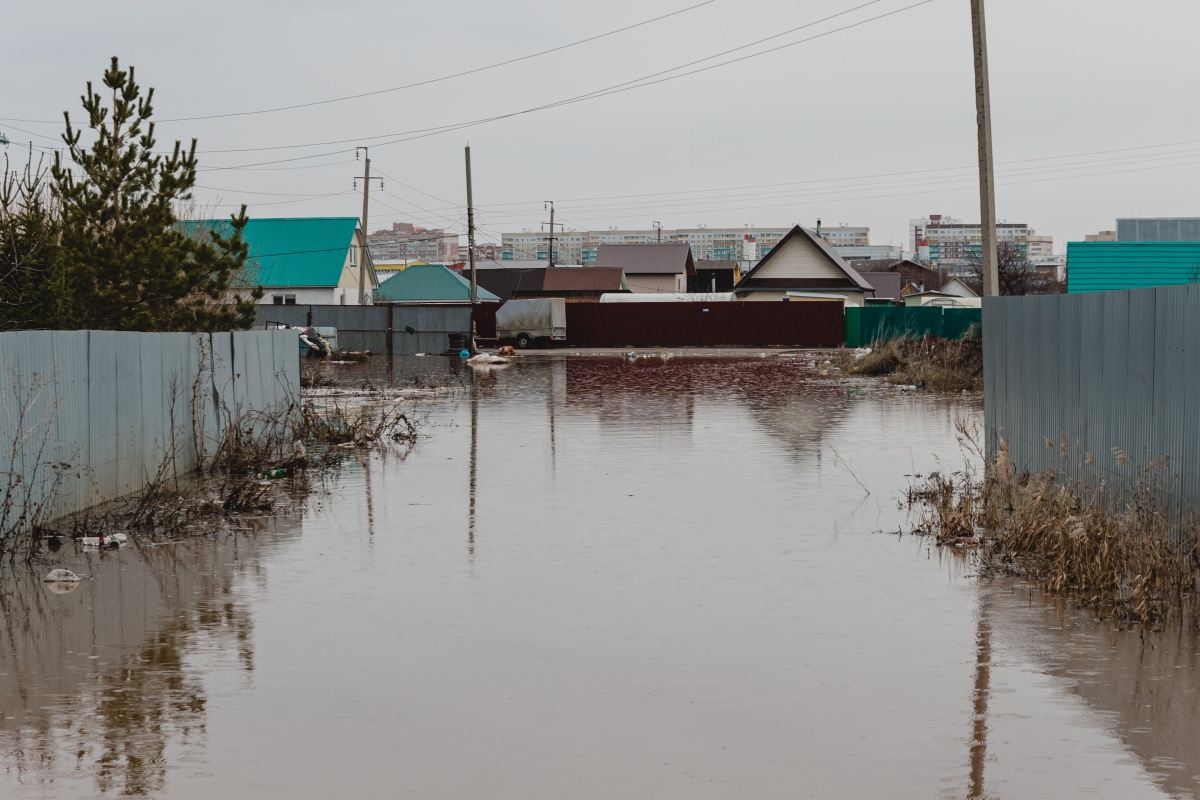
(106, 409)
(1099, 386)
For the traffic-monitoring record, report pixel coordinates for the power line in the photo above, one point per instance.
(412, 85)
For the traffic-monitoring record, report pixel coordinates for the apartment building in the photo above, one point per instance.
(408, 242)
(582, 247)
(945, 242)
(846, 236)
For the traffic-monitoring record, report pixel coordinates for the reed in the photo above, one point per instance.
(1127, 555)
(931, 362)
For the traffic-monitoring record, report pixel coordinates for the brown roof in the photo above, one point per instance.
(646, 259)
(853, 279)
(887, 284)
(716, 265)
(582, 279)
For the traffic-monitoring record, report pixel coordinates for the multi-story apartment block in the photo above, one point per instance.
(948, 243)
(408, 242)
(581, 247)
(1102, 236)
(846, 236)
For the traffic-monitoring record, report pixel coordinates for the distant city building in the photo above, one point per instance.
(845, 236)
(406, 241)
(856, 253)
(1159, 229)
(743, 244)
(1102, 236)
(948, 243)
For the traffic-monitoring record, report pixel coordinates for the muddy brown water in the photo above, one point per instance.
(594, 578)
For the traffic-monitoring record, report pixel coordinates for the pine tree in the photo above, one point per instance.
(129, 264)
(32, 285)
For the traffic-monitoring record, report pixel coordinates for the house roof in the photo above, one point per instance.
(647, 259)
(729, 265)
(292, 251)
(855, 279)
(429, 283)
(509, 279)
(584, 279)
(887, 284)
(958, 287)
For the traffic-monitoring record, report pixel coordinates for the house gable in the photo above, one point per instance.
(803, 261)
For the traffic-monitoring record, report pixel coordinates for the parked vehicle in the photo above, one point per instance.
(532, 322)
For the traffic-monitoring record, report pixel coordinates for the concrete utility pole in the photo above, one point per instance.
(987, 176)
(658, 226)
(366, 252)
(471, 238)
(550, 249)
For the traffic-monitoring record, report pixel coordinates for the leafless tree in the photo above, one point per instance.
(1016, 273)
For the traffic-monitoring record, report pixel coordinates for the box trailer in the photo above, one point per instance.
(533, 321)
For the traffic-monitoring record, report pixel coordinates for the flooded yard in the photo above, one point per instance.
(593, 578)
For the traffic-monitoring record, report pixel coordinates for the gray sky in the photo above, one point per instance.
(834, 120)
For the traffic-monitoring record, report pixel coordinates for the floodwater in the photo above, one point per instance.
(593, 578)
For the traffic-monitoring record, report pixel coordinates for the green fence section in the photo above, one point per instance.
(875, 323)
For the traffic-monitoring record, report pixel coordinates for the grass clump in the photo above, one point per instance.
(1126, 555)
(928, 362)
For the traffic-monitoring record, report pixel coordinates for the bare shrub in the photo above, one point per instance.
(1127, 556)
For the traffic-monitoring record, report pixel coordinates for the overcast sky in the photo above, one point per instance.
(873, 125)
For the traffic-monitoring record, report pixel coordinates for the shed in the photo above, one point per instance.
(802, 266)
(650, 267)
(582, 283)
(887, 285)
(715, 276)
(429, 284)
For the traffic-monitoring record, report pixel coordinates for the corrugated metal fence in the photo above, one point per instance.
(411, 329)
(1098, 386)
(739, 324)
(89, 416)
(871, 324)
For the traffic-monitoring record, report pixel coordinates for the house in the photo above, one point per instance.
(429, 284)
(1105, 266)
(650, 267)
(958, 288)
(803, 266)
(301, 260)
(715, 276)
(582, 284)
(887, 285)
(912, 272)
(509, 279)
(921, 299)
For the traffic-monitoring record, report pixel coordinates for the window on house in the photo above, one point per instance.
(354, 256)
(283, 299)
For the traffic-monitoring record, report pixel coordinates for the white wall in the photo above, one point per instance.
(321, 296)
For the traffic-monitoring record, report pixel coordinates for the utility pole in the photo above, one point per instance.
(987, 177)
(550, 253)
(471, 239)
(366, 251)
(658, 226)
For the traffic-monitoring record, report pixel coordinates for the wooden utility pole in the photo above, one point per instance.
(471, 238)
(987, 176)
(550, 250)
(366, 251)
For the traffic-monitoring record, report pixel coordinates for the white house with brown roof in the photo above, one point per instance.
(803, 267)
(650, 268)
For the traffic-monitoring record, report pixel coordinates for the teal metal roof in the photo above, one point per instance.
(1106, 266)
(291, 252)
(429, 283)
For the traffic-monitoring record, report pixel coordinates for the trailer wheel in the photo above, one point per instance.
(524, 341)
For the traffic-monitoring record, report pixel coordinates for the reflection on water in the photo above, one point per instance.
(95, 684)
(595, 577)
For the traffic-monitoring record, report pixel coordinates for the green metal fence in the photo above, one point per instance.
(875, 323)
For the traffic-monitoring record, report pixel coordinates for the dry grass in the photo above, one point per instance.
(1126, 557)
(930, 362)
